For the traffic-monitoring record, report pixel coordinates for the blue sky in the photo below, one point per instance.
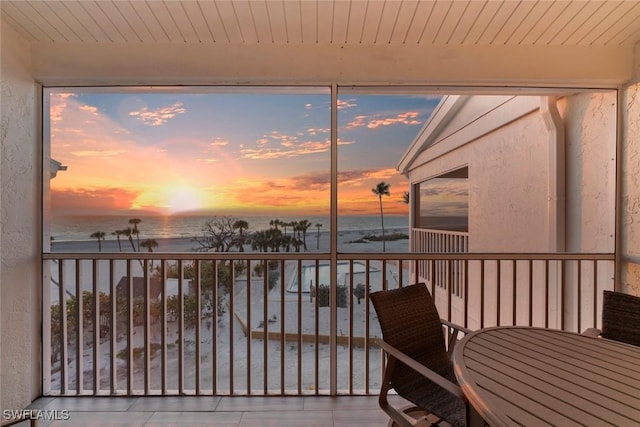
(170, 152)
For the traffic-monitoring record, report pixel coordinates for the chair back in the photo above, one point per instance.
(410, 322)
(621, 317)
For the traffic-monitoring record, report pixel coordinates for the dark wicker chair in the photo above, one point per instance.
(620, 318)
(419, 365)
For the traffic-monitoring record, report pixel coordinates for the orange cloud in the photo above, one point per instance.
(219, 142)
(92, 200)
(373, 122)
(288, 148)
(407, 118)
(347, 103)
(310, 193)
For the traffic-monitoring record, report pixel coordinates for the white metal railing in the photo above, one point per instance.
(260, 323)
(433, 241)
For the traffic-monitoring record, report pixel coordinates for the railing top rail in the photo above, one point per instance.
(187, 255)
(477, 256)
(325, 256)
(438, 231)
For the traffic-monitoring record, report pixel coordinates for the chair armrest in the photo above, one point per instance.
(433, 376)
(456, 327)
(592, 332)
(452, 334)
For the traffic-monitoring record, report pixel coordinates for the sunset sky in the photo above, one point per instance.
(170, 152)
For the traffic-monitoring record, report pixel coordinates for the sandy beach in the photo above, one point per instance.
(348, 241)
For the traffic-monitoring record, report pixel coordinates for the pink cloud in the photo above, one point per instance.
(159, 116)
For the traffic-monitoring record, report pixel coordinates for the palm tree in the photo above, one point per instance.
(259, 241)
(127, 233)
(318, 236)
(241, 225)
(405, 197)
(382, 189)
(304, 226)
(149, 244)
(100, 236)
(118, 233)
(275, 223)
(135, 222)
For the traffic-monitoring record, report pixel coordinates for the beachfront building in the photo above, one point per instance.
(574, 56)
(516, 174)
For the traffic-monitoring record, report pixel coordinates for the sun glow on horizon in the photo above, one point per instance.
(183, 198)
(182, 153)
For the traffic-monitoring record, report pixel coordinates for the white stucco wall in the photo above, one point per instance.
(630, 228)
(508, 171)
(506, 145)
(19, 227)
(590, 129)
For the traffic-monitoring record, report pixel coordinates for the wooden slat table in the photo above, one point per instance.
(519, 376)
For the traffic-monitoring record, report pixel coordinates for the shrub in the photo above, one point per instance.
(324, 292)
(258, 269)
(359, 292)
(274, 276)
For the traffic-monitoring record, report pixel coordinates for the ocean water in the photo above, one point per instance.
(80, 228)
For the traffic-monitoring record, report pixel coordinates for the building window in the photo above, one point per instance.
(443, 202)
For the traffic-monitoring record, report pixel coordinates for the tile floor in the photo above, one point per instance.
(237, 411)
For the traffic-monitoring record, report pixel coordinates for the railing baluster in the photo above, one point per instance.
(96, 326)
(113, 332)
(367, 283)
(64, 331)
(283, 343)
(563, 307)
(595, 294)
(384, 274)
(181, 320)
(514, 284)
(249, 329)
(546, 293)
(129, 299)
(530, 292)
(198, 331)
(147, 329)
(466, 294)
(350, 317)
(265, 324)
(79, 330)
(231, 336)
(163, 335)
(579, 296)
(317, 326)
(214, 328)
(300, 327)
(498, 291)
(448, 275)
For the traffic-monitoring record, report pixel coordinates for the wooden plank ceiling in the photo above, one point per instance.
(341, 22)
